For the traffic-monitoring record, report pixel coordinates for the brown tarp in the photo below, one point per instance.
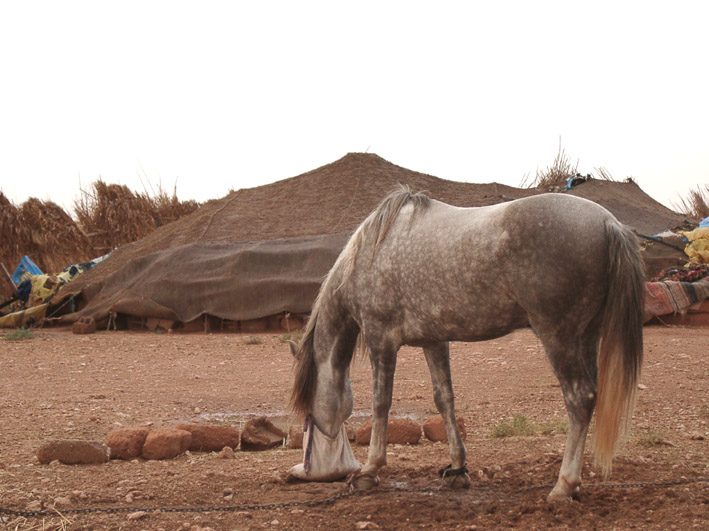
(237, 281)
(200, 264)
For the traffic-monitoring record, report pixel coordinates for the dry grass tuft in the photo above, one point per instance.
(603, 174)
(696, 204)
(554, 175)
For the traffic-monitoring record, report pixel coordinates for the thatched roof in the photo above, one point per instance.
(332, 199)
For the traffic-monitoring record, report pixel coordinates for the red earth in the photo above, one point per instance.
(60, 385)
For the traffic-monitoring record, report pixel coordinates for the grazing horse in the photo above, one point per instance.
(420, 272)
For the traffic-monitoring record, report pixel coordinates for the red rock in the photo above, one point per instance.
(166, 443)
(207, 438)
(85, 325)
(399, 431)
(72, 452)
(351, 432)
(295, 437)
(126, 443)
(435, 430)
(226, 453)
(261, 434)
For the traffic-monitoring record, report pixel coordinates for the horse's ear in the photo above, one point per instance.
(293, 347)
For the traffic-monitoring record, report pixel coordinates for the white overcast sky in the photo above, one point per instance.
(220, 95)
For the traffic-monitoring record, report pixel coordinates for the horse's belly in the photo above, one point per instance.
(465, 322)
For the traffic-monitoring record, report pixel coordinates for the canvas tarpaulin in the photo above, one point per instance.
(230, 280)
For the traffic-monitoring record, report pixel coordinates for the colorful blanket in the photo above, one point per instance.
(667, 297)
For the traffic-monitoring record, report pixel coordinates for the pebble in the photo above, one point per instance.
(62, 501)
(137, 515)
(226, 453)
(35, 505)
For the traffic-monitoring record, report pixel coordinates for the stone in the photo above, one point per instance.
(351, 432)
(85, 325)
(435, 430)
(126, 443)
(260, 434)
(166, 443)
(226, 453)
(364, 524)
(207, 438)
(72, 452)
(62, 502)
(399, 431)
(137, 515)
(295, 437)
(34, 505)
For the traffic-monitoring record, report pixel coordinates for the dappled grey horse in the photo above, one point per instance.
(421, 272)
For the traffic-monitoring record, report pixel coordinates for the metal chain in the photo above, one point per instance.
(206, 509)
(347, 492)
(641, 484)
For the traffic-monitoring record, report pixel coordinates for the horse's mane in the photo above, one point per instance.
(374, 228)
(377, 225)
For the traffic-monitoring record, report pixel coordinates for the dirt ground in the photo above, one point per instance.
(60, 385)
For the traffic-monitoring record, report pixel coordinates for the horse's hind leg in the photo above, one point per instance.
(438, 359)
(574, 363)
(383, 358)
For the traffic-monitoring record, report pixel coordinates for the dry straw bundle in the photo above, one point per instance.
(108, 216)
(14, 232)
(43, 231)
(112, 215)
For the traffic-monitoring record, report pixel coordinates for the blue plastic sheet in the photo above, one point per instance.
(26, 266)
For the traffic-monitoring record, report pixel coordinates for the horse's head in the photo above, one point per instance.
(322, 386)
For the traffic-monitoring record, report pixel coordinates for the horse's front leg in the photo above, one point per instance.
(383, 366)
(438, 359)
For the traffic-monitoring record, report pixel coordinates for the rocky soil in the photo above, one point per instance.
(60, 385)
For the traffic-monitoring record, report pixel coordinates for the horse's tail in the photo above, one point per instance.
(621, 351)
(303, 392)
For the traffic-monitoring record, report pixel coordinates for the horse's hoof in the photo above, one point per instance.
(363, 481)
(563, 492)
(457, 482)
(559, 497)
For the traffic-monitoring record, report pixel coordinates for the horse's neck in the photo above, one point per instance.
(335, 336)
